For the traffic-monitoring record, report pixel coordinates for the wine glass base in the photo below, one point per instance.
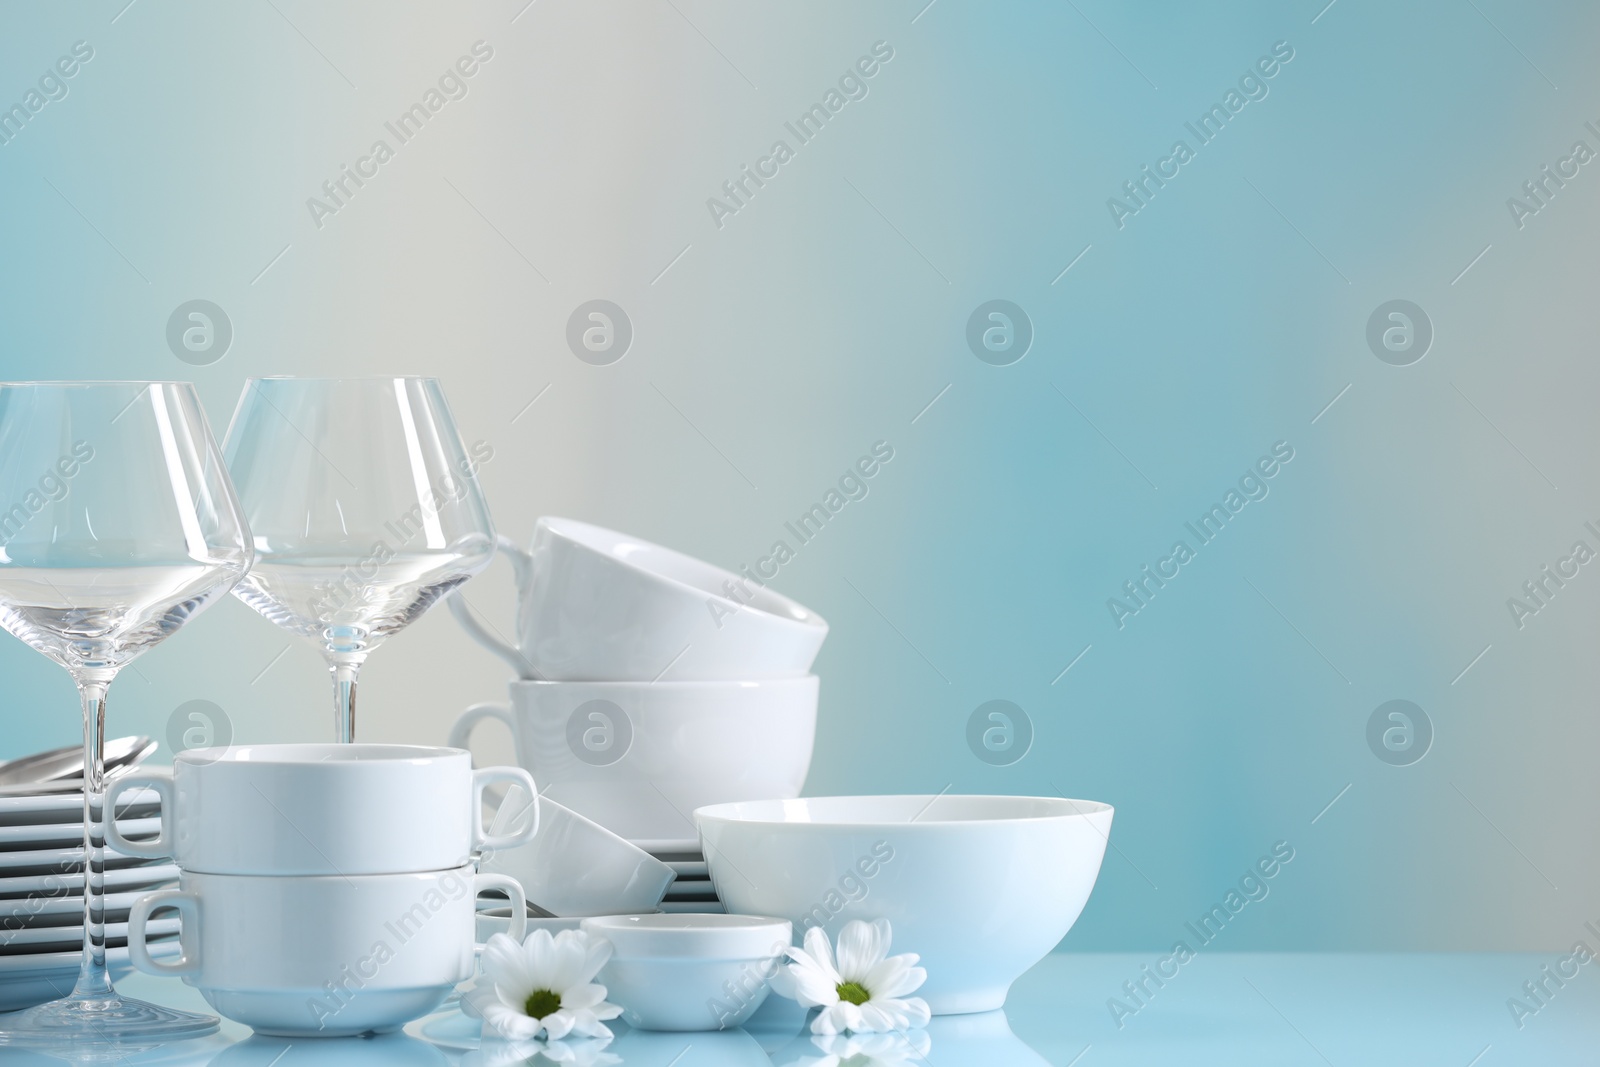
(105, 1020)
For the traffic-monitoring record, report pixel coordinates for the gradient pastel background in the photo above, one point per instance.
(773, 351)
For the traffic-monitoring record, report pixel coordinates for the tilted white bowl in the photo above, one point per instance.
(607, 605)
(576, 867)
(982, 887)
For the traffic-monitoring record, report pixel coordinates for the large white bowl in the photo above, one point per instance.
(639, 757)
(982, 887)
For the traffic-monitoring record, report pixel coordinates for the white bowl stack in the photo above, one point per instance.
(41, 892)
(650, 684)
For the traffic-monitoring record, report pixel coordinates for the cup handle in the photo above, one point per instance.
(461, 732)
(487, 840)
(188, 908)
(161, 782)
(519, 902)
(522, 569)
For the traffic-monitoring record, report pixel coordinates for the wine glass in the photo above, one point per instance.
(117, 525)
(365, 510)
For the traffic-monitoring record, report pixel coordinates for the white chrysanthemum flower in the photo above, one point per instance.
(865, 991)
(543, 986)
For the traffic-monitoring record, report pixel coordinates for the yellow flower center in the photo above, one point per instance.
(854, 992)
(540, 1003)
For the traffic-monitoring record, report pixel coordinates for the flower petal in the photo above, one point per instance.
(917, 1010)
(558, 1024)
(566, 961)
(583, 996)
(586, 1024)
(828, 1021)
(505, 965)
(895, 977)
(877, 1017)
(539, 956)
(813, 988)
(808, 980)
(861, 947)
(817, 947)
(885, 933)
(508, 1021)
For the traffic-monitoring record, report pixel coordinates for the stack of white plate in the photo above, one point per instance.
(41, 891)
(691, 892)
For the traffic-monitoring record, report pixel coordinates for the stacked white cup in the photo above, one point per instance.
(649, 683)
(324, 890)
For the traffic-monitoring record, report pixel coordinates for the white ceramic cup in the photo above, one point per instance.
(327, 955)
(321, 809)
(594, 604)
(576, 867)
(639, 757)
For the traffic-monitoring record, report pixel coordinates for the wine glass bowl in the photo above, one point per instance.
(101, 618)
(364, 507)
(118, 524)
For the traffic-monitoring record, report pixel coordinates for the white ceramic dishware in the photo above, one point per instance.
(66, 834)
(57, 908)
(62, 861)
(686, 868)
(692, 889)
(143, 875)
(328, 955)
(689, 972)
(981, 887)
(595, 604)
(66, 764)
(639, 757)
(41, 808)
(34, 938)
(573, 866)
(321, 809)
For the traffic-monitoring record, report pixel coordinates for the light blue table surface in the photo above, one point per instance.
(1280, 1008)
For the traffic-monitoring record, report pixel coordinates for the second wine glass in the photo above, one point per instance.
(365, 508)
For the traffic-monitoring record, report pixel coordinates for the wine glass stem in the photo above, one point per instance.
(92, 977)
(344, 673)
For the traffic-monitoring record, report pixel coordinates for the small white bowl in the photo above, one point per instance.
(689, 972)
(574, 866)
